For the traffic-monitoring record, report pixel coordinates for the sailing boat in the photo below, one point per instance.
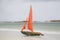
(30, 26)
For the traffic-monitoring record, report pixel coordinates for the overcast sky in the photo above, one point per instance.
(18, 10)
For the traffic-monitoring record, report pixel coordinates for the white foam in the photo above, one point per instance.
(50, 32)
(44, 32)
(6, 29)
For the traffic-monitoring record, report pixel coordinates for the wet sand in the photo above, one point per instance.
(14, 34)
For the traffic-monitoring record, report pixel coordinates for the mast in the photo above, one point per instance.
(30, 27)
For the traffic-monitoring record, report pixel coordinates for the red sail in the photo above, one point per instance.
(24, 26)
(30, 20)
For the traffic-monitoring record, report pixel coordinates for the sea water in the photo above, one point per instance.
(52, 26)
(11, 31)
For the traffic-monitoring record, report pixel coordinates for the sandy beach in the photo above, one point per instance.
(14, 34)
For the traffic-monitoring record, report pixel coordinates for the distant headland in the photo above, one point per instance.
(33, 21)
(53, 20)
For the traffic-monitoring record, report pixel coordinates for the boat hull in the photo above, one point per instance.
(32, 33)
